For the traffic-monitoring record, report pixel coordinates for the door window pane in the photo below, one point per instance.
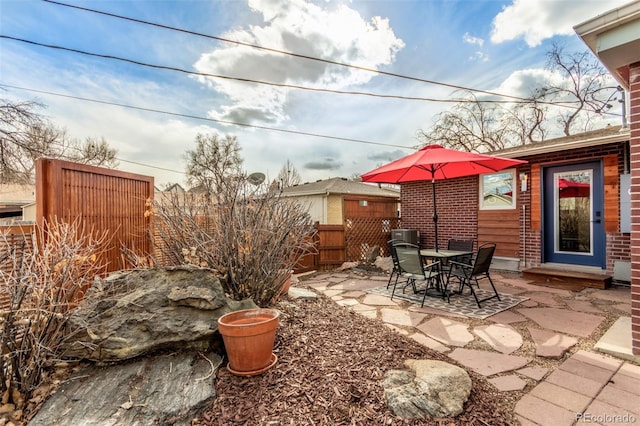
(573, 215)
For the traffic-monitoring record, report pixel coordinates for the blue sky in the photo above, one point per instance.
(496, 45)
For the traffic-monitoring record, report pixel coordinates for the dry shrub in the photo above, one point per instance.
(249, 235)
(41, 280)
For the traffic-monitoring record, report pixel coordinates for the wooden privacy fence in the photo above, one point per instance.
(103, 199)
(336, 244)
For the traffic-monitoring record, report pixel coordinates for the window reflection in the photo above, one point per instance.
(574, 211)
(497, 190)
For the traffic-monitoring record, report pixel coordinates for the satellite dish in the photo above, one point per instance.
(256, 178)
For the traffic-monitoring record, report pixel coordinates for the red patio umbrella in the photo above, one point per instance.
(434, 162)
(570, 189)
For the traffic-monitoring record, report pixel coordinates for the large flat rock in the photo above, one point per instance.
(501, 337)
(165, 389)
(550, 344)
(487, 363)
(563, 320)
(446, 331)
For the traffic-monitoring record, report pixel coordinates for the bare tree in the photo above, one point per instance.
(471, 125)
(96, 152)
(525, 122)
(248, 234)
(214, 161)
(26, 136)
(575, 93)
(583, 84)
(288, 175)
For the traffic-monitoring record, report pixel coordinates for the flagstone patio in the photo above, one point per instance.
(543, 348)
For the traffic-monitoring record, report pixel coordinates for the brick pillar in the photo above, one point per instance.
(634, 120)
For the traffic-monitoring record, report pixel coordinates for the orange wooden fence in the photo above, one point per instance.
(105, 200)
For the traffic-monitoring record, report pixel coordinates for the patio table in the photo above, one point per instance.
(442, 284)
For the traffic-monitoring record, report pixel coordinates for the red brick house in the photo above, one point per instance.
(561, 210)
(614, 37)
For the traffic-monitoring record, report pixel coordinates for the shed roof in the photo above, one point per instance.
(339, 186)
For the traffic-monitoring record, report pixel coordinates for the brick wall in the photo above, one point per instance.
(634, 119)
(457, 205)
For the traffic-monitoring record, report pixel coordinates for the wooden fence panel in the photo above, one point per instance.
(103, 199)
(336, 244)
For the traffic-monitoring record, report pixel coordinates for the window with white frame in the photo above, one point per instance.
(498, 190)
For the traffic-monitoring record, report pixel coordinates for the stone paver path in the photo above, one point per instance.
(446, 331)
(550, 344)
(563, 320)
(501, 337)
(487, 363)
(530, 347)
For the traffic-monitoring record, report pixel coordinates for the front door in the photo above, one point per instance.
(574, 215)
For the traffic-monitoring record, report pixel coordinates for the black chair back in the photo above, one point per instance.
(461, 245)
(392, 250)
(483, 259)
(409, 259)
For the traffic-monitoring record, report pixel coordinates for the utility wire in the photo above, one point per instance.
(313, 58)
(284, 52)
(291, 86)
(195, 117)
(248, 80)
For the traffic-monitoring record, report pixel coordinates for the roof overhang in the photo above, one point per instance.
(563, 144)
(614, 37)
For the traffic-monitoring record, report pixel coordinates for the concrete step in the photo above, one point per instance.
(566, 279)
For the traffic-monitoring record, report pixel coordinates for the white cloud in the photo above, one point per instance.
(468, 38)
(479, 56)
(537, 20)
(338, 34)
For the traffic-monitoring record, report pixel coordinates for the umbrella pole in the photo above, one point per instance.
(435, 212)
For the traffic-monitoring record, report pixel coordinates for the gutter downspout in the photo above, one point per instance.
(524, 237)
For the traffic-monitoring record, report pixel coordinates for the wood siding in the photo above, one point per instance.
(501, 227)
(376, 206)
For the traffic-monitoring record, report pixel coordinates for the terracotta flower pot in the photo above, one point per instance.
(248, 337)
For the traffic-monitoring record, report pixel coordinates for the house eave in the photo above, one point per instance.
(563, 145)
(612, 37)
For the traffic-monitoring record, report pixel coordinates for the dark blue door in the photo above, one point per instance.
(573, 218)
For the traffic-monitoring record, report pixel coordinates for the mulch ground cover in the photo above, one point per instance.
(331, 363)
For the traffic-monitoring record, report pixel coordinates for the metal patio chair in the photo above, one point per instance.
(395, 271)
(470, 273)
(413, 268)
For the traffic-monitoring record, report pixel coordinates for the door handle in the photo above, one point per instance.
(596, 221)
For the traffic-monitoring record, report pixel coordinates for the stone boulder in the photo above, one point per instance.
(372, 254)
(137, 312)
(427, 388)
(168, 389)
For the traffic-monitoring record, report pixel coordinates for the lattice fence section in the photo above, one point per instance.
(362, 233)
(15, 241)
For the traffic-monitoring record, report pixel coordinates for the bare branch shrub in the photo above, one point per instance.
(42, 281)
(250, 235)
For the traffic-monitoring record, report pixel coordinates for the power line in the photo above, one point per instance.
(248, 80)
(195, 117)
(291, 86)
(283, 52)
